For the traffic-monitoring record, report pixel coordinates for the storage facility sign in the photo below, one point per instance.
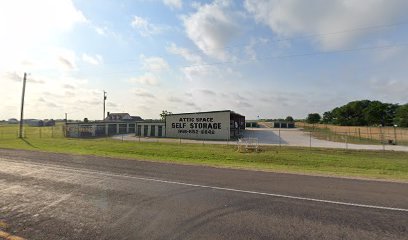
(214, 125)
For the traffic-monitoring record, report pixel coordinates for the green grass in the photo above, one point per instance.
(366, 164)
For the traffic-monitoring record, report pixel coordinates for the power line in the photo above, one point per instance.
(275, 57)
(305, 54)
(328, 34)
(365, 28)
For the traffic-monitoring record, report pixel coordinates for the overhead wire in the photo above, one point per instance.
(364, 28)
(274, 57)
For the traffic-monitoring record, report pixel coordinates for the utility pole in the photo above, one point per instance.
(64, 128)
(104, 100)
(20, 134)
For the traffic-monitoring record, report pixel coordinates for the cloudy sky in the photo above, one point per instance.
(260, 58)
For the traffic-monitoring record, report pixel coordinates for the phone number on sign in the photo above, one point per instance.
(197, 131)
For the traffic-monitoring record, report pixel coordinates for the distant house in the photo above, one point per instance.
(136, 118)
(34, 122)
(12, 121)
(49, 123)
(114, 117)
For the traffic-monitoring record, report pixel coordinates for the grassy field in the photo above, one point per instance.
(366, 164)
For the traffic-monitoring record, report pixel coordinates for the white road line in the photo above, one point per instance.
(57, 167)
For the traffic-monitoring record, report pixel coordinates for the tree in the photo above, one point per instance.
(313, 118)
(351, 114)
(401, 116)
(363, 113)
(289, 119)
(164, 114)
(375, 113)
(390, 114)
(327, 117)
(86, 120)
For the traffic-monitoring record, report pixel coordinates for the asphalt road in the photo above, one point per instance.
(59, 196)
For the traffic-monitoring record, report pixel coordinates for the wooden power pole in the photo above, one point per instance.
(20, 134)
(104, 100)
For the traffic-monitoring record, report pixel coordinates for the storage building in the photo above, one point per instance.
(215, 125)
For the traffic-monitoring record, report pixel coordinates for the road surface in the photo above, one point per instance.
(60, 196)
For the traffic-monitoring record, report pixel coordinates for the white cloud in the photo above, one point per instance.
(94, 60)
(65, 63)
(154, 63)
(319, 17)
(15, 77)
(207, 92)
(175, 99)
(250, 48)
(101, 31)
(178, 4)
(140, 92)
(26, 25)
(211, 28)
(66, 59)
(146, 79)
(144, 27)
(43, 93)
(185, 53)
(12, 76)
(390, 89)
(69, 86)
(41, 15)
(198, 70)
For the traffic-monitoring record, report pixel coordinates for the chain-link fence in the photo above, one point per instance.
(11, 131)
(358, 135)
(194, 136)
(372, 138)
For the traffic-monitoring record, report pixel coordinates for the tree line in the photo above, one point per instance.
(364, 113)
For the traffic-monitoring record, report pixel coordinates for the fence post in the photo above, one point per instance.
(310, 139)
(346, 139)
(359, 134)
(368, 135)
(382, 138)
(371, 135)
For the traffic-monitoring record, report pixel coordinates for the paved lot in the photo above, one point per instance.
(296, 137)
(60, 196)
(271, 136)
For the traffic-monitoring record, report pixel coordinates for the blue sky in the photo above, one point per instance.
(260, 58)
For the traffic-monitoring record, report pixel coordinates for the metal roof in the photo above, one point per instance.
(232, 112)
